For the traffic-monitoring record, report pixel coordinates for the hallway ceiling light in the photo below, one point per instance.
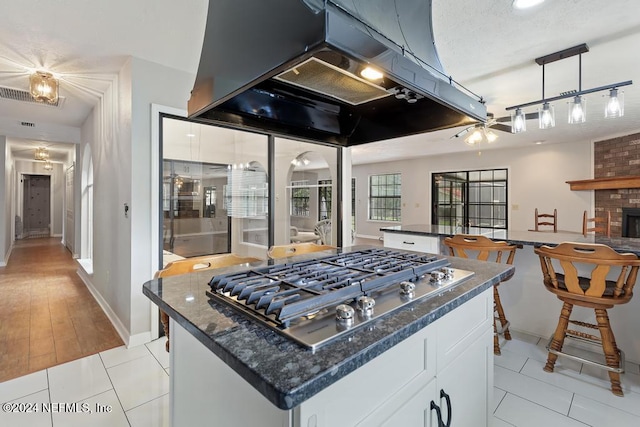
(48, 166)
(41, 154)
(577, 107)
(525, 4)
(44, 87)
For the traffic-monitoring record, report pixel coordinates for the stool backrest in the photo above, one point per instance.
(283, 251)
(600, 225)
(200, 263)
(546, 220)
(488, 250)
(601, 259)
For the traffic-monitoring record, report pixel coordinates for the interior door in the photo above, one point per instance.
(449, 199)
(37, 205)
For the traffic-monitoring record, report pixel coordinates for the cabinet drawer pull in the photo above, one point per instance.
(448, 399)
(438, 413)
(408, 243)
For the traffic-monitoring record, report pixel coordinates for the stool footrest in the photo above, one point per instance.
(499, 328)
(584, 359)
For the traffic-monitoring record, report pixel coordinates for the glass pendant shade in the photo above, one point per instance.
(48, 166)
(474, 137)
(490, 135)
(546, 116)
(518, 121)
(578, 110)
(44, 87)
(615, 104)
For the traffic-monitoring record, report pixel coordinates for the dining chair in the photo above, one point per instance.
(283, 251)
(546, 220)
(486, 249)
(599, 225)
(609, 280)
(194, 264)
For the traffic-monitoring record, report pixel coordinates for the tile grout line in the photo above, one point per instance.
(49, 393)
(114, 389)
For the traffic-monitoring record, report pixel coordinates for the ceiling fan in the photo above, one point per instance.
(484, 131)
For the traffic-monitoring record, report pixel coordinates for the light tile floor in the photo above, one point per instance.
(134, 384)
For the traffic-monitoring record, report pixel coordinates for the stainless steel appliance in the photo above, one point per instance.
(316, 301)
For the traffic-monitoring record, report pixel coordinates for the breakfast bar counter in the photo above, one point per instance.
(528, 306)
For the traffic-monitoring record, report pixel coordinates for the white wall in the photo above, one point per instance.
(5, 211)
(537, 176)
(119, 133)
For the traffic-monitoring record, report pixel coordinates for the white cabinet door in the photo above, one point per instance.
(410, 408)
(468, 381)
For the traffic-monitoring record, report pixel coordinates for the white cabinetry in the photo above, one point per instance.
(454, 354)
(428, 244)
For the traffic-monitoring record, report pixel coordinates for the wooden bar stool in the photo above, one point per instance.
(486, 249)
(600, 225)
(283, 251)
(593, 291)
(549, 220)
(190, 265)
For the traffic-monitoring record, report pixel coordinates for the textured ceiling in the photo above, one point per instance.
(484, 44)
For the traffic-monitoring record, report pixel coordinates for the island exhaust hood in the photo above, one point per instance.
(295, 68)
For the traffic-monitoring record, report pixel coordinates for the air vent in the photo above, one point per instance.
(28, 124)
(25, 96)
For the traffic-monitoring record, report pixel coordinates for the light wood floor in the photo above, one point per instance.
(47, 315)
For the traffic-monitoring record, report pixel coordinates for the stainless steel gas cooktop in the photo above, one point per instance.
(316, 301)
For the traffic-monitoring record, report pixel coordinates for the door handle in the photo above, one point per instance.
(448, 399)
(438, 413)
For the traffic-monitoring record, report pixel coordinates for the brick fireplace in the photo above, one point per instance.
(617, 157)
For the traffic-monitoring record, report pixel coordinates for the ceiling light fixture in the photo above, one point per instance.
(480, 134)
(371, 73)
(525, 4)
(615, 104)
(41, 154)
(577, 107)
(519, 121)
(48, 166)
(44, 87)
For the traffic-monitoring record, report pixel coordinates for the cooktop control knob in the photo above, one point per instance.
(365, 305)
(407, 288)
(345, 313)
(448, 272)
(437, 276)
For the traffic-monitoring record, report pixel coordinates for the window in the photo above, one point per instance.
(470, 198)
(300, 198)
(324, 196)
(384, 197)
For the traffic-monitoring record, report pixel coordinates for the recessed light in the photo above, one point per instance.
(371, 74)
(538, 142)
(525, 4)
(190, 135)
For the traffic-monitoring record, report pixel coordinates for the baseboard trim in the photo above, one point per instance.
(6, 258)
(115, 320)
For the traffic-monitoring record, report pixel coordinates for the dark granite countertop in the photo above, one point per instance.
(286, 373)
(534, 238)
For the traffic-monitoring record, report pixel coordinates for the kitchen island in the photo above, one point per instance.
(528, 305)
(228, 368)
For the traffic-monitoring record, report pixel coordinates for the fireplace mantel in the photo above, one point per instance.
(609, 183)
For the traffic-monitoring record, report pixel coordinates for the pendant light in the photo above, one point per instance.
(43, 87)
(615, 104)
(519, 121)
(577, 110)
(546, 116)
